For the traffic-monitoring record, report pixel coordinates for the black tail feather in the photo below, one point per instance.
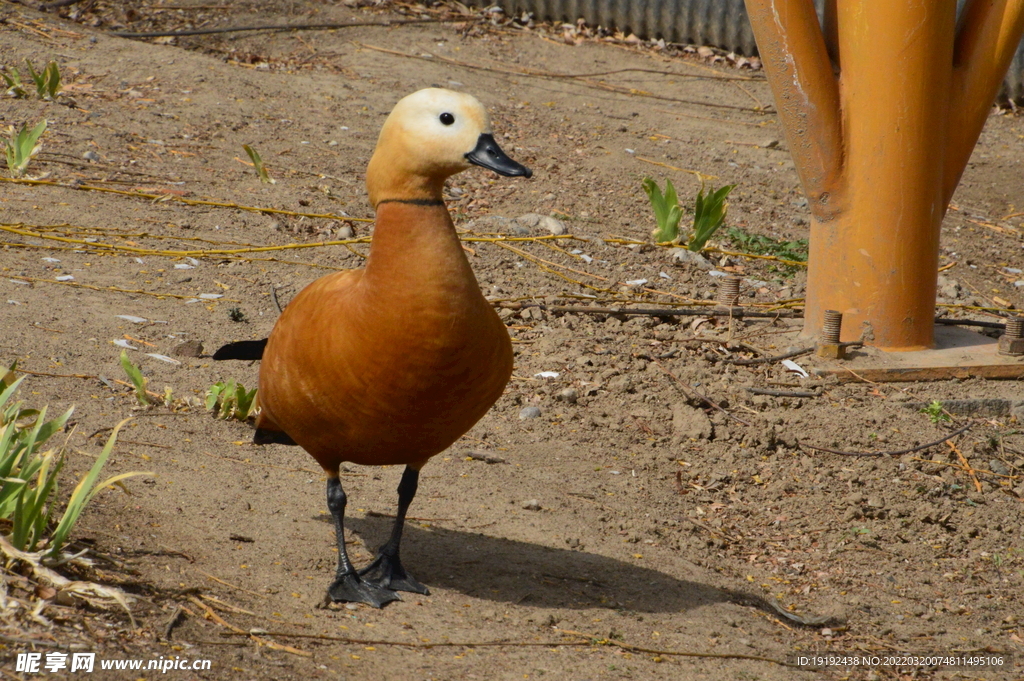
(242, 350)
(272, 437)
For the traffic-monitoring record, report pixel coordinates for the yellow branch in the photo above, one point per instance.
(181, 199)
(123, 290)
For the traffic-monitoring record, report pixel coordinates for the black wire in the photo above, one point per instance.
(274, 27)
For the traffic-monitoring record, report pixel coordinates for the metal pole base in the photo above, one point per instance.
(958, 353)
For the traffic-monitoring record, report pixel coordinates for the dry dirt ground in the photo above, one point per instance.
(624, 524)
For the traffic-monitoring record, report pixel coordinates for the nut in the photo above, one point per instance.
(1011, 346)
(831, 351)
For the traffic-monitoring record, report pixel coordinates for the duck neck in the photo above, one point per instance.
(416, 250)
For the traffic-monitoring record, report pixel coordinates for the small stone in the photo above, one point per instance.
(66, 598)
(529, 413)
(684, 256)
(534, 313)
(192, 348)
(998, 467)
(346, 232)
(554, 226)
(91, 156)
(770, 144)
(621, 383)
(351, 606)
(531, 505)
(529, 220)
(875, 502)
(569, 395)
(485, 457)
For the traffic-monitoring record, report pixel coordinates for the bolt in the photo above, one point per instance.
(1012, 341)
(829, 345)
(831, 326)
(729, 291)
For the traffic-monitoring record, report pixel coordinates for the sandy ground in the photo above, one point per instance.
(624, 526)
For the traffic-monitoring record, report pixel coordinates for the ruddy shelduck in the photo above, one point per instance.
(392, 363)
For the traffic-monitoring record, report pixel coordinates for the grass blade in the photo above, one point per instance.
(708, 215)
(138, 381)
(22, 147)
(85, 491)
(257, 163)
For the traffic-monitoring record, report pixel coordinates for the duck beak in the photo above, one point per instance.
(489, 155)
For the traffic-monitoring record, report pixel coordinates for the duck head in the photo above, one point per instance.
(429, 136)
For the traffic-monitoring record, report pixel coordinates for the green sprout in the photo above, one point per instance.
(86, 489)
(935, 412)
(15, 88)
(137, 379)
(667, 212)
(257, 163)
(230, 400)
(47, 82)
(22, 146)
(28, 475)
(708, 215)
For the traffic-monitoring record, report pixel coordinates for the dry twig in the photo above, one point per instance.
(898, 452)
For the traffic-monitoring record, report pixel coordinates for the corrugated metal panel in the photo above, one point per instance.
(719, 23)
(1013, 86)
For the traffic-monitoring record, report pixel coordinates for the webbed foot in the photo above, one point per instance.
(350, 588)
(387, 572)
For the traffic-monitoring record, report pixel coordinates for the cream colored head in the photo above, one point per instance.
(429, 136)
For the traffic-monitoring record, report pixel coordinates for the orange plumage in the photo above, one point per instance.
(393, 363)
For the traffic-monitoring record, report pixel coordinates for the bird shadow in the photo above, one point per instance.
(517, 572)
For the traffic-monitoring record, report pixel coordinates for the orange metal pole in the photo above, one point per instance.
(909, 100)
(877, 263)
(987, 39)
(807, 95)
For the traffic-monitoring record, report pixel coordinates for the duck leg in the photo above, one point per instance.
(386, 569)
(347, 585)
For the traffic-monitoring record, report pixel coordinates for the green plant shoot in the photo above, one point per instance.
(137, 379)
(47, 82)
(708, 215)
(257, 163)
(230, 400)
(935, 412)
(22, 146)
(86, 489)
(12, 80)
(28, 476)
(667, 212)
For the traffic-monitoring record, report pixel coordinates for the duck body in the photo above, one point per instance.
(393, 363)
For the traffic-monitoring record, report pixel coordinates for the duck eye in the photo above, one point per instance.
(447, 118)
